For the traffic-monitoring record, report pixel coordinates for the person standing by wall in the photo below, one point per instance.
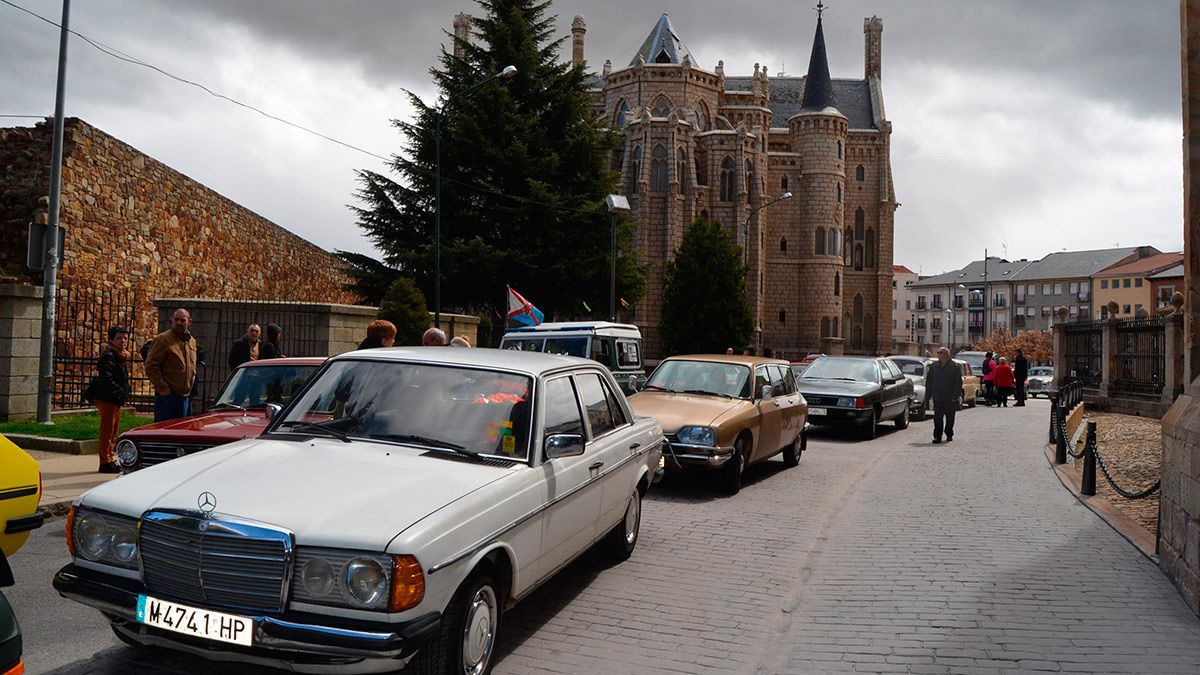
(108, 391)
(246, 348)
(171, 368)
(1004, 380)
(380, 333)
(272, 348)
(1021, 373)
(944, 384)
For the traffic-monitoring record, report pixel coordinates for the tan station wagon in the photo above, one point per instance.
(725, 412)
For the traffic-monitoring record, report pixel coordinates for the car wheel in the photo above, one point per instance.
(791, 454)
(466, 640)
(870, 430)
(731, 473)
(902, 420)
(623, 537)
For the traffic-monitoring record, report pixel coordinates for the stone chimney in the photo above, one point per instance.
(462, 33)
(578, 28)
(873, 29)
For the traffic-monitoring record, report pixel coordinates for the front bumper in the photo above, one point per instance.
(680, 456)
(295, 638)
(840, 416)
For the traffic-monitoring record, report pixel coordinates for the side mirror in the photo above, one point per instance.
(563, 445)
(633, 383)
(766, 392)
(273, 409)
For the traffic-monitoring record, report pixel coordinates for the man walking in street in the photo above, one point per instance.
(944, 383)
(246, 347)
(171, 368)
(1021, 371)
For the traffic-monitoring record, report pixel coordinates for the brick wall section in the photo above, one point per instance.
(20, 326)
(131, 221)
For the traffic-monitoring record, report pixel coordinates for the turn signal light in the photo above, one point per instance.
(17, 669)
(860, 402)
(71, 531)
(408, 583)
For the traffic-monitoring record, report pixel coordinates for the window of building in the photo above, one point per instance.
(1074, 310)
(681, 164)
(1058, 289)
(920, 323)
(661, 108)
(1125, 283)
(860, 221)
(658, 169)
(839, 193)
(894, 301)
(1045, 311)
(782, 316)
(837, 286)
(839, 149)
(783, 184)
(846, 246)
(1104, 283)
(1047, 289)
(783, 245)
(819, 243)
(858, 257)
(727, 184)
(833, 329)
(825, 326)
(1074, 287)
(870, 247)
(1165, 294)
(622, 110)
(894, 322)
(635, 169)
(1137, 307)
(701, 117)
(701, 167)
(1019, 292)
(1125, 308)
(908, 304)
(893, 283)
(921, 302)
(860, 173)
(1137, 282)
(1032, 290)
(751, 188)
(1104, 312)
(937, 300)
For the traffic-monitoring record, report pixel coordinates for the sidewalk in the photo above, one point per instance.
(65, 477)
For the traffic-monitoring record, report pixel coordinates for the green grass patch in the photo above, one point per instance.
(82, 427)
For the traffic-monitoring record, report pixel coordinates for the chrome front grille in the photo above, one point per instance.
(815, 399)
(219, 562)
(158, 452)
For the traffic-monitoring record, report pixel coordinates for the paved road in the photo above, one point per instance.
(894, 555)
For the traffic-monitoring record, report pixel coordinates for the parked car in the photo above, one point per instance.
(973, 358)
(724, 412)
(916, 368)
(972, 384)
(238, 411)
(1040, 381)
(856, 391)
(390, 515)
(617, 345)
(20, 492)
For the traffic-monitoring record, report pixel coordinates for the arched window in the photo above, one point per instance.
(839, 193)
(839, 149)
(658, 169)
(834, 332)
(833, 242)
(860, 173)
(726, 180)
(635, 170)
(857, 335)
(846, 248)
(702, 117)
(783, 245)
(837, 285)
(824, 326)
(783, 184)
(782, 316)
(681, 167)
(622, 111)
(858, 257)
(819, 245)
(701, 167)
(661, 108)
(860, 219)
(870, 247)
(751, 183)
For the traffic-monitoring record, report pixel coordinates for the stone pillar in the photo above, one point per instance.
(578, 29)
(873, 29)
(832, 346)
(462, 33)
(1060, 360)
(20, 333)
(1173, 357)
(1108, 358)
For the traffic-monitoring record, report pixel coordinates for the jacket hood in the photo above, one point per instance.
(675, 411)
(834, 387)
(329, 493)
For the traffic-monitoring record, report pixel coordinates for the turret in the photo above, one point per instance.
(873, 30)
(578, 28)
(462, 33)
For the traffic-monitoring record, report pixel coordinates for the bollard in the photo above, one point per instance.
(1053, 412)
(1060, 438)
(1088, 483)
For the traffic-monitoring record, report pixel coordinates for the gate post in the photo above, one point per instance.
(1108, 357)
(1088, 482)
(1053, 415)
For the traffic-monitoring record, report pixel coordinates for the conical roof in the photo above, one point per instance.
(662, 45)
(818, 88)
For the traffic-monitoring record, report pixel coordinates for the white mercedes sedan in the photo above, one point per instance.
(389, 515)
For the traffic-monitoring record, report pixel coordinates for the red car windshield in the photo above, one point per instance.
(256, 386)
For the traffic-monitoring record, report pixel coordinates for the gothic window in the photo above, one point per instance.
(662, 57)
(846, 248)
(701, 118)
(782, 316)
(635, 170)
(833, 242)
(819, 246)
(658, 169)
(824, 326)
(662, 107)
(837, 286)
(701, 167)
(622, 110)
(783, 184)
(839, 193)
(681, 167)
(783, 245)
(860, 173)
(750, 182)
(839, 149)
(858, 257)
(870, 248)
(860, 220)
(834, 331)
(726, 180)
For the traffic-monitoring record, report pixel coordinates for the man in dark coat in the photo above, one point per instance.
(1021, 371)
(245, 348)
(943, 383)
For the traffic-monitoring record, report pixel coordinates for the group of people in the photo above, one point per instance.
(1001, 380)
(382, 333)
(251, 346)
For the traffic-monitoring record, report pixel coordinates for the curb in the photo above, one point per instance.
(63, 445)
(1122, 524)
(57, 508)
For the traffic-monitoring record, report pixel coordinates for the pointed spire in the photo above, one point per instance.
(662, 45)
(818, 86)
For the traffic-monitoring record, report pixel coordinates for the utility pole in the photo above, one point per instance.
(986, 328)
(50, 271)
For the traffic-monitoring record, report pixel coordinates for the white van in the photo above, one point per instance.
(617, 345)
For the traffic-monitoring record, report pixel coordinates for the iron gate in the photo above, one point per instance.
(1082, 352)
(1141, 358)
(83, 316)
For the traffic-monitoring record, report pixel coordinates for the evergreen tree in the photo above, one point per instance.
(404, 305)
(525, 169)
(705, 308)
(371, 278)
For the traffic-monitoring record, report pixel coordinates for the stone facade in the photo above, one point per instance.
(700, 144)
(20, 326)
(130, 221)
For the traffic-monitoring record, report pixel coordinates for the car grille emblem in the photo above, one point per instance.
(179, 452)
(207, 502)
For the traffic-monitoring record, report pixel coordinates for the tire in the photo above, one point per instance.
(791, 454)
(902, 420)
(469, 627)
(871, 430)
(623, 538)
(731, 473)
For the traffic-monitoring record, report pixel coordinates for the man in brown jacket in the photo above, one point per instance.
(171, 368)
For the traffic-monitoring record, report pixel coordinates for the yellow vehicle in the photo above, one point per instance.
(20, 490)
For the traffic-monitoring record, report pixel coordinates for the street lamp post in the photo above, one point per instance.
(746, 225)
(616, 204)
(439, 114)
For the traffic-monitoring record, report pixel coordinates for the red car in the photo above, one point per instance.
(239, 411)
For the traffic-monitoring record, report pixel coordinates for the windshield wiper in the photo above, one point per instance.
(227, 404)
(704, 392)
(323, 427)
(427, 441)
(654, 386)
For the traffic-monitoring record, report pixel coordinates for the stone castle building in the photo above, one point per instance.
(700, 143)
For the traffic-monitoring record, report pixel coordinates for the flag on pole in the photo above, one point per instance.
(522, 311)
(585, 306)
(625, 303)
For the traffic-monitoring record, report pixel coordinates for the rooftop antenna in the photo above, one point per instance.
(819, 8)
(782, 69)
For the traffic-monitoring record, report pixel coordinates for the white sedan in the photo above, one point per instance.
(390, 514)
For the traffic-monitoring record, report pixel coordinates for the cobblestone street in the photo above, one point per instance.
(893, 555)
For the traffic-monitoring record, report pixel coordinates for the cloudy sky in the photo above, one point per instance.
(1019, 126)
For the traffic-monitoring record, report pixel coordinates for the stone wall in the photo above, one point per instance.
(20, 326)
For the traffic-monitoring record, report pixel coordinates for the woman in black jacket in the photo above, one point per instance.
(271, 349)
(108, 392)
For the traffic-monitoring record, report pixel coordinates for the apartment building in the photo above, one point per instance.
(1129, 284)
(903, 299)
(954, 308)
(1063, 279)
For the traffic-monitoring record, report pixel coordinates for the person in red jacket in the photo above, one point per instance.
(1005, 379)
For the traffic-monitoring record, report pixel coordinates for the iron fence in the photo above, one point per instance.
(1083, 350)
(1140, 358)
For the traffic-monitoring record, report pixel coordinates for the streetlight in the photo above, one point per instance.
(438, 115)
(746, 225)
(616, 204)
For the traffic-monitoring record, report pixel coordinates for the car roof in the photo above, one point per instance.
(285, 361)
(532, 363)
(618, 329)
(736, 359)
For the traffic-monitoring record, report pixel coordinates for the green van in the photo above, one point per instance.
(617, 345)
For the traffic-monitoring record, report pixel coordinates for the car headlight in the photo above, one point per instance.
(318, 577)
(127, 453)
(366, 581)
(845, 402)
(105, 538)
(697, 436)
(357, 580)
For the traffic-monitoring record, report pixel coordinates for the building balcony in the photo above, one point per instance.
(975, 303)
(958, 304)
(921, 306)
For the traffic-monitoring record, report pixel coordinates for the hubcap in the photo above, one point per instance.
(631, 520)
(479, 634)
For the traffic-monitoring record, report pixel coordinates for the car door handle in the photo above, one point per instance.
(596, 465)
(634, 446)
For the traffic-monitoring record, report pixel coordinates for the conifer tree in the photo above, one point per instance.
(525, 169)
(705, 308)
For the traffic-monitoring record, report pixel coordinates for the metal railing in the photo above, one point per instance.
(1141, 358)
(1062, 404)
(1083, 349)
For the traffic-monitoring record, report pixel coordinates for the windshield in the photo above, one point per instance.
(837, 368)
(443, 407)
(566, 346)
(705, 377)
(911, 367)
(973, 358)
(256, 386)
(1042, 371)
